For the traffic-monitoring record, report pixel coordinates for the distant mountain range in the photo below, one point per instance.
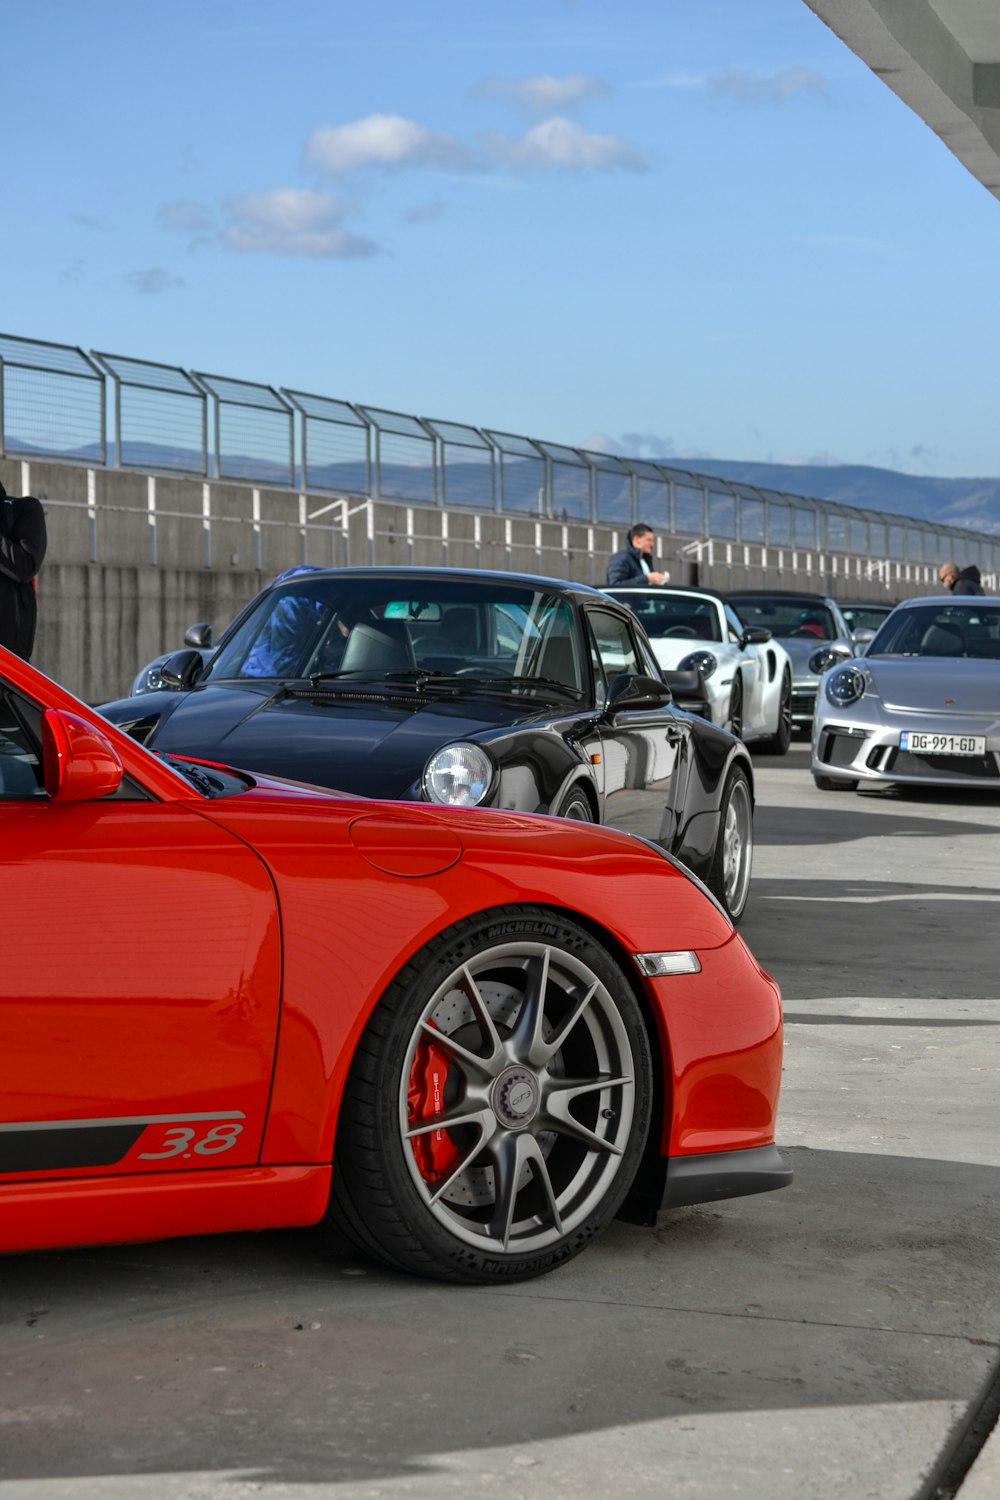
(971, 503)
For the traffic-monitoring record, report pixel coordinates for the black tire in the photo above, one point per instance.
(834, 784)
(729, 879)
(778, 743)
(576, 806)
(734, 722)
(507, 1007)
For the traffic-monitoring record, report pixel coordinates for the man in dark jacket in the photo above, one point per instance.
(22, 547)
(632, 566)
(960, 581)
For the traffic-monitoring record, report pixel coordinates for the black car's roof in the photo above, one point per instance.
(453, 575)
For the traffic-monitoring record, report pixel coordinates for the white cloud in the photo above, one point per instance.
(602, 442)
(542, 92)
(153, 281)
(381, 141)
(561, 144)
(292, 221)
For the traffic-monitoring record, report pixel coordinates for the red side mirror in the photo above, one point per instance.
(79, 763)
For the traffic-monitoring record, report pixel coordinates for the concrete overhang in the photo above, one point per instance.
(942, 58)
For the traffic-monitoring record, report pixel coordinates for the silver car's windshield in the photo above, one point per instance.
(397, 629)
(953, 629)
(678, 616)
(789, 618)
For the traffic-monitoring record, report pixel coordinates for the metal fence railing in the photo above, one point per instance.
(53, 403)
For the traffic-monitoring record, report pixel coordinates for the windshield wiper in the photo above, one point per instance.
(491, 683)
(420, 677)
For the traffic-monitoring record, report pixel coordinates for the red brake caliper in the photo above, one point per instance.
(435, 1153)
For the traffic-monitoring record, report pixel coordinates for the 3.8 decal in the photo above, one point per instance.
(181, 1140)
(28, 1146)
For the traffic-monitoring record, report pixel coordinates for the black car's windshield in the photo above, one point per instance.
(678, 616)
(952, 629)
(804, 619)
(397, 630)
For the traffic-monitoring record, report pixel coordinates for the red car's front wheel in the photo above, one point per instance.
(498, 1103)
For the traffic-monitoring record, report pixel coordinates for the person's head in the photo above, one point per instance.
(947, 573)
(642, 537)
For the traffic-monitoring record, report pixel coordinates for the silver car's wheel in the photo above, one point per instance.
(498, 1103)
(730, 876)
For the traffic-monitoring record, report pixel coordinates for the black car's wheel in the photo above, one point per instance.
(779, 741)
(498, 1102)
(834, 784)
(729, 879)
(734, 720)
(576, 806)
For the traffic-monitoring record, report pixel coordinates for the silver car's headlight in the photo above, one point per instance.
(845, 687)
(828, 656)
(699, 661)
(459, 775)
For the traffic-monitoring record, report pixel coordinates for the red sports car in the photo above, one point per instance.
(470, 1038)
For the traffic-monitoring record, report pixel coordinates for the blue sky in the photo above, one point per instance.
(671, 228)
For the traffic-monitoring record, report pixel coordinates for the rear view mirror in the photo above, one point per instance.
(198, 635)
(181, 668)
(79, 764)
(755, 635)
(626, 691)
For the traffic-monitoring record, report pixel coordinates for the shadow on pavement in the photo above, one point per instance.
(270, 1356)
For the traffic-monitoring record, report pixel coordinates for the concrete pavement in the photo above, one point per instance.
(825, 1341)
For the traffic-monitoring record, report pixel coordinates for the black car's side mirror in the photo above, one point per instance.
(628, 692)
(198, 635)
(181, 669)
(754, 635)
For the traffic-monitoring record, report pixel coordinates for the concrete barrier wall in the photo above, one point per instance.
(134, 559)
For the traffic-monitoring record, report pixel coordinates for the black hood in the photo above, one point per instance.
(372, 745)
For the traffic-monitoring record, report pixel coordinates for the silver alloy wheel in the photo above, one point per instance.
(535, 1110)
(737, 846)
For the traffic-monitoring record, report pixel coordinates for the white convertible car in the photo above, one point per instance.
(745, 676)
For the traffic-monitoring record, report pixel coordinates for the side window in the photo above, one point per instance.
(20, 765)
(734, 624)
(650, 666)
(615, 647)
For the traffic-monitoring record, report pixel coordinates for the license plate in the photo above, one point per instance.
(920, 743)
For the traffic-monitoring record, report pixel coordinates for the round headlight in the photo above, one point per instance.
(458, 776)
(828, 656)
(845, 687)
(148, 681)
(699, 661)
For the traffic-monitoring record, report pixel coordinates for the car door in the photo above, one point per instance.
(640, 747)
(751, 666)
(140, 980)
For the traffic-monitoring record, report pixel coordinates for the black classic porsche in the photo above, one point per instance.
(468, 688)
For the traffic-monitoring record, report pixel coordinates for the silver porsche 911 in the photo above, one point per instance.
(921, 707)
